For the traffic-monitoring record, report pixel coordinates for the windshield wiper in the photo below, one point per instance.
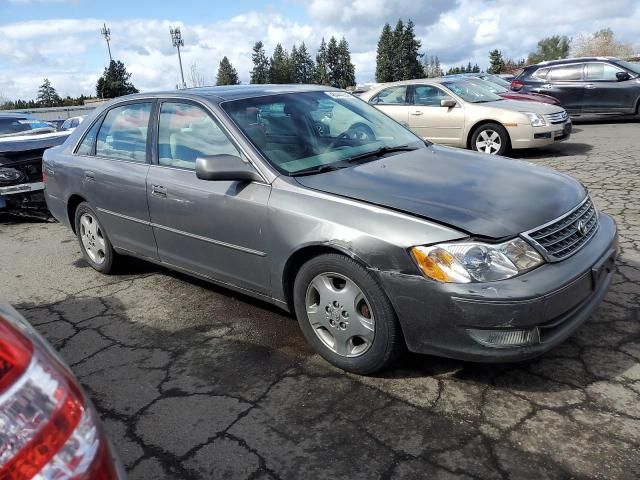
(321, 169)
(381, 151)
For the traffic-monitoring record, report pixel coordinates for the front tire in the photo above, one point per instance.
(491, 138)
(94, 242)
(345, 315)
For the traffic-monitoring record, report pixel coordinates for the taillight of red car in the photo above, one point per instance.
(46, 429)
(516, 84)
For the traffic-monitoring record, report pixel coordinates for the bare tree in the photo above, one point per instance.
(197, 78)
(601, 44)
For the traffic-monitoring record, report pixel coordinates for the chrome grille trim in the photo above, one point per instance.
(558, 117)
(560, 238)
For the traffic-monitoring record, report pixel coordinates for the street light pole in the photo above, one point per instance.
(176, 38)
(106, 33)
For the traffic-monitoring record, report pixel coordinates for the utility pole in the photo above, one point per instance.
(106, 33)
(176, 38)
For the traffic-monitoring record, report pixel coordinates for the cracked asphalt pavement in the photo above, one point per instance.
(194, 381)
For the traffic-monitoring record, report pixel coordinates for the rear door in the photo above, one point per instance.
(117, 175)
(566, 83)
(604, 93)
(432, 121)
(394, 102)
(213, 228)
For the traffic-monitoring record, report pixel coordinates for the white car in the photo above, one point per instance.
(71, 123)
(460, 113)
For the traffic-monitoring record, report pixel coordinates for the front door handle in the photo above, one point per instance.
(89, 176)
(158, 191)
(416, 112)
(590, 86)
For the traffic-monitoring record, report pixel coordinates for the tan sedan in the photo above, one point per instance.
(460, 113)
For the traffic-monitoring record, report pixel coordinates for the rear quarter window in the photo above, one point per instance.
(540, 74)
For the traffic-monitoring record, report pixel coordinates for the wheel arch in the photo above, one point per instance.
(479, 124)
(304, 254)
(72, 205)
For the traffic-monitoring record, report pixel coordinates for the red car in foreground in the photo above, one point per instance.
(48, 427)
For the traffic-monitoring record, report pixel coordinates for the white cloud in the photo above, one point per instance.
(72, 53)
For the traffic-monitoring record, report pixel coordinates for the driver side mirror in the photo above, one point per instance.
(448, 103)
(622, 76)
(225, 167)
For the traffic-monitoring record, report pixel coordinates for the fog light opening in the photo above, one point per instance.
(506, 338)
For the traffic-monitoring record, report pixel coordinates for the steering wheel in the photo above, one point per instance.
(357, 131)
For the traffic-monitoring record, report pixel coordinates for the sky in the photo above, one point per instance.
(60, 39)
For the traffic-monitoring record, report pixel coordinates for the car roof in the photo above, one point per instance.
(233, 92)
(15, 115)
(568, 61)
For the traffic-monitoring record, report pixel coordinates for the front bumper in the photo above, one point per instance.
(526, 136)
(556, 298)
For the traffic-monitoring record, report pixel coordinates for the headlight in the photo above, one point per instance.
(474, 261)
(536, 119)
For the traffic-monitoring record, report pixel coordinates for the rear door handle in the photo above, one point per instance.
(89, 176)
(416, 112)
(590, 86)
(158, 191)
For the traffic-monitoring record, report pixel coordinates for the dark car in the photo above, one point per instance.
(48, 427)
(499, 86)
(376, 239)
(586, 86)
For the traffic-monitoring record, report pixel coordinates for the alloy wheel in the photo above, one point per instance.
(340, 314)
(92, 238)
(488, 141)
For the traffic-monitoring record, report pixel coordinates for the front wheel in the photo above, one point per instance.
(346, 316)
(490, 138)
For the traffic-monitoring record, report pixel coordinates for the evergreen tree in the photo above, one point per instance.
(410, 54)
(321, 71)
(227, 75)
(469, 68)
(496, 61)
(384, 56)
(344, 72)
(47, 95)
(476, 69)
(397, 45)
(333, 59)
(280, 66)
(260, 71)
(115, 81)
(303, 66)
(550, 48)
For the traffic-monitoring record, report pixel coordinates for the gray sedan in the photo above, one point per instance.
(311, 199)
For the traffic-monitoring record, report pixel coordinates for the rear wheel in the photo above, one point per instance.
(346, 316)
(490, 138)
(94, 243)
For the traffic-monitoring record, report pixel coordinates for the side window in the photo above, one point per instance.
(541, 73)
(428, 96)
(187, 132)
(89, 140)
(391, 96)
(602, 71)
(123, 134)
(566, 73)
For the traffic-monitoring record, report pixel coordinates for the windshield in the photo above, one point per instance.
(489, 85)
(497, 80)
(471, 92)
(17, 125)
(633, 66)
(312, 131)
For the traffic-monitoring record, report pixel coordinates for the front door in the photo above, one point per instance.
(604, 93)
(432, 121)
(117, 175)
(213, 228)
(566, 84)
(393, 102)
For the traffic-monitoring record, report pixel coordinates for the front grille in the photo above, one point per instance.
(568, 234)
(558, 117)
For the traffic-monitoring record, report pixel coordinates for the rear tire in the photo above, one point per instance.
(345, 314)
(94, 242)
(491, 138)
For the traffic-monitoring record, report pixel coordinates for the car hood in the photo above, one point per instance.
(532, 97)
(480, 194)
(520, 106)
